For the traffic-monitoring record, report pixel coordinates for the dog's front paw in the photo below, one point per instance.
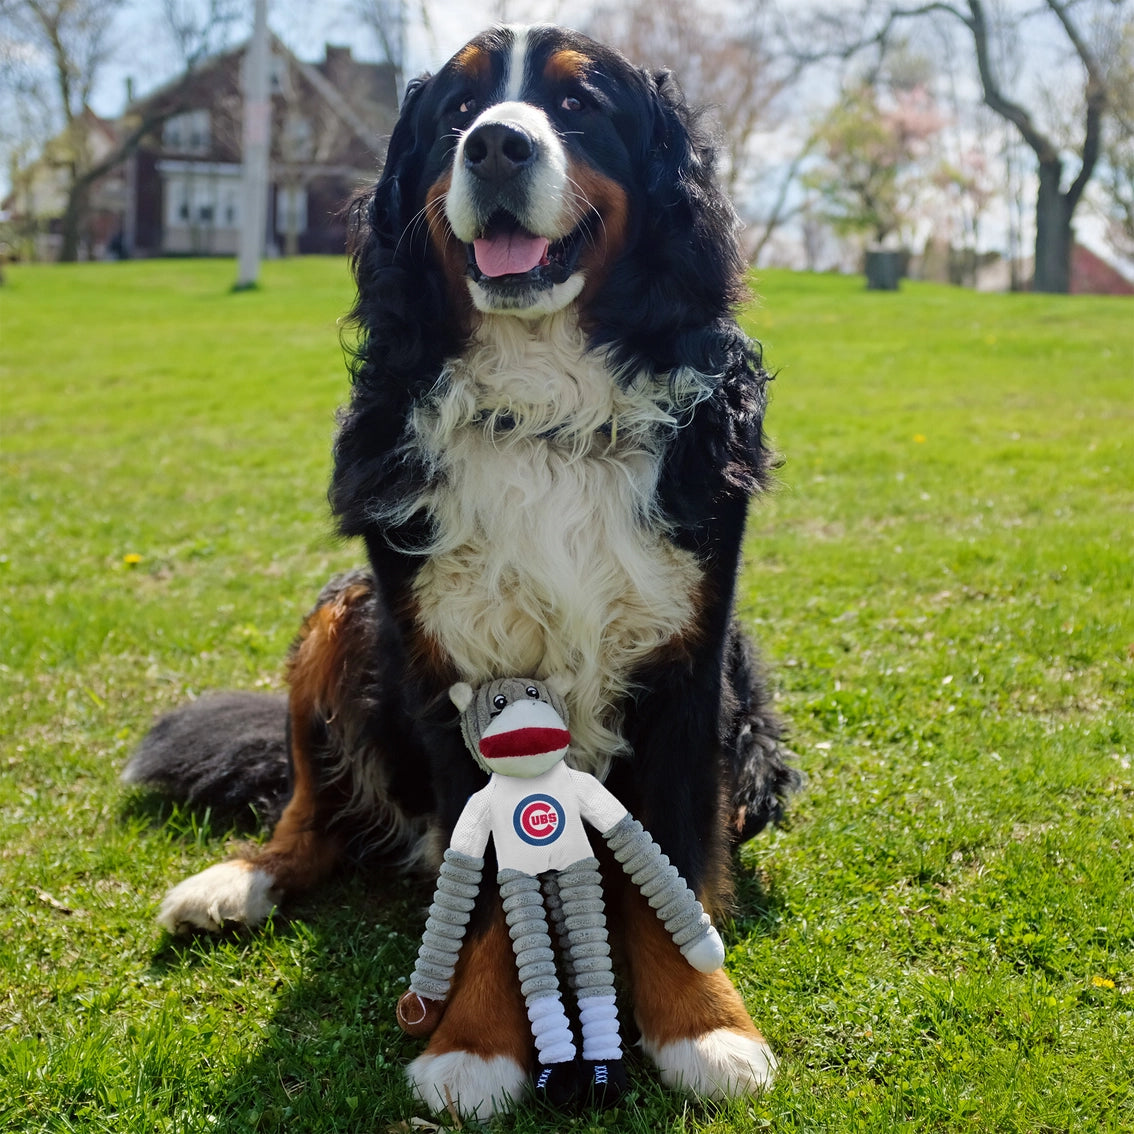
(228, 892)
(720, 1064)
(468, 1084)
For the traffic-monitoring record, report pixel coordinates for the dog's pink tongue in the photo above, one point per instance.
(508, 254)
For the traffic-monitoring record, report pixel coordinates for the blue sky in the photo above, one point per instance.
(145, 55)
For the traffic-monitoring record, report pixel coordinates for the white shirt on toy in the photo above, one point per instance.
(536, 822)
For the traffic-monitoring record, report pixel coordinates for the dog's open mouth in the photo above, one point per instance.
(507, 255)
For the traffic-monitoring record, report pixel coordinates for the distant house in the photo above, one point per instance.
(37, 198)
(329, 123)
(179, 192)
(1092, 275)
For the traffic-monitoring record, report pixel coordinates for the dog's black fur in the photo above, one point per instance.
(667, 302)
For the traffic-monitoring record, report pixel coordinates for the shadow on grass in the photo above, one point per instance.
(758, 908)
(330, 1056)
(150, 811)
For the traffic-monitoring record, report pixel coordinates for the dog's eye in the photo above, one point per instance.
(500, 701)
(532, 691)
(571, 103)
(468, 106)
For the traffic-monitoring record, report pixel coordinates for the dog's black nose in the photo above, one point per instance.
(497, 151)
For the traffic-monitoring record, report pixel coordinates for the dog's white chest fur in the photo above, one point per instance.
(548, 558)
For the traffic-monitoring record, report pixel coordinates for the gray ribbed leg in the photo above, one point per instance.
(580, 887)
(531, 942)
(672, 900)
(553, 903)
(457, 886)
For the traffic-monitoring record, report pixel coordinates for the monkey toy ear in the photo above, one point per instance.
(461, 694)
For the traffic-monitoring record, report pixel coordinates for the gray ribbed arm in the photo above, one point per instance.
(457, 887)
(663, 887)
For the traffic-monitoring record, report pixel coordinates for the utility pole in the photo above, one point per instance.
(257, 139)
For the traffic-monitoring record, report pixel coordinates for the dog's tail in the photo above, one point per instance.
(226, 751)
(757, 756)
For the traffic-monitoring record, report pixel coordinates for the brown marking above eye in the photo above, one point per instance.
(567, 66)
(474, 61)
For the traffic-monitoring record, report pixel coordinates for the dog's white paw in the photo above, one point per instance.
(228, 892)
(473, 1086)
(719, 1065)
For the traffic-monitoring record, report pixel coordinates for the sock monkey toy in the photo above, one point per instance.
(533, 808)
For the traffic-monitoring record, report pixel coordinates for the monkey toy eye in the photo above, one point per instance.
(532, 691)
(500, 701)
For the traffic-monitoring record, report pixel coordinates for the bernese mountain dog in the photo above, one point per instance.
(554, 431)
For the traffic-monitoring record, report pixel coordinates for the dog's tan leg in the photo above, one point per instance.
(694, 1025)
(478, 1059)
(301, 852)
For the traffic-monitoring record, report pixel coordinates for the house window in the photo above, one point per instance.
(296, 140)
(187, 133)
(291, 209)
(200, 195)
(278, 77)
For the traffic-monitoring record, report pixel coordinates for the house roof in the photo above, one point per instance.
(367, 107)
(364, 131)
(1092, 275)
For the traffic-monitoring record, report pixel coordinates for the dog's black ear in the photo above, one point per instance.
(387, 209)
(691, 278)
(681, 173)
(673, 159)
(668, 301)
(398, 331)
(400, 314)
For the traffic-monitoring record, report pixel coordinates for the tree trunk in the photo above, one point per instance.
(74, 218)
(1054, 235)
(81, 183)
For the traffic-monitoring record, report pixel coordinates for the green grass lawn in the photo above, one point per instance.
(940, 938)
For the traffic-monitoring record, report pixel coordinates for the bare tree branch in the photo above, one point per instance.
(731, 69)
(779, 213)
(200, 29)
(1043, 146)
(1096, 98)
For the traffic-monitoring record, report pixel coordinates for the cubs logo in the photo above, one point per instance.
(538, 820)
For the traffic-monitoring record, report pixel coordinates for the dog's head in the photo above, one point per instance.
(539, 169)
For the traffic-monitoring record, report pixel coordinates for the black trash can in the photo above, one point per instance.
(883, 269)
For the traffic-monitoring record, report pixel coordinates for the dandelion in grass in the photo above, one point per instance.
(132, 559)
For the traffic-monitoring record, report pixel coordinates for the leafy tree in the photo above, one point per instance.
(874, 151)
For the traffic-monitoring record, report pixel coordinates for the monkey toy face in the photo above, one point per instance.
(515, 726)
